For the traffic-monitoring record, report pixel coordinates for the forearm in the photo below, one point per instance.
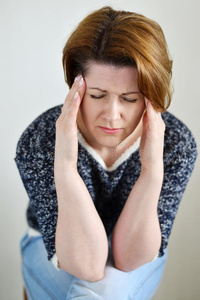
(136, 237)
(81, 241)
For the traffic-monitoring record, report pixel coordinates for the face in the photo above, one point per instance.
(112, 106)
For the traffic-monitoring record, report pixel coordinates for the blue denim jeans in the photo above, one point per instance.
(43, 281)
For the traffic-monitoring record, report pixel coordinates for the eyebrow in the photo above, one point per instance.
(104, 91)
(96, 88)
(130, 93)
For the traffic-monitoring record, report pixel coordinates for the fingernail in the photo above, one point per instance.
(81, 81)
(77, 78)
(76, 96)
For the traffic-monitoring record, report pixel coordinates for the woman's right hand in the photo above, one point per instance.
(66, 146)
(152, 141)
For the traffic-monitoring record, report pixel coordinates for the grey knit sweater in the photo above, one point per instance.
(109, 188)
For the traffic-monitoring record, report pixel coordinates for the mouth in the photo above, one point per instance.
(110, 130)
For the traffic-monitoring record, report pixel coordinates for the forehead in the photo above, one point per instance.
(108, 76)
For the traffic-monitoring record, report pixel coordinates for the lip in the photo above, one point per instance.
(110, 130)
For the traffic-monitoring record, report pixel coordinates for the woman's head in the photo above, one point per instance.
(122, 39)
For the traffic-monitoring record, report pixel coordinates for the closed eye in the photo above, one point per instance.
(124, 98)
(97, 97)
(129, 100)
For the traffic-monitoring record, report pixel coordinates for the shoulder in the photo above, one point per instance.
(179, 141)
(177, 133)
(39, 136)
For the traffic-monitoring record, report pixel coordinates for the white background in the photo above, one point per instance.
(33, 34)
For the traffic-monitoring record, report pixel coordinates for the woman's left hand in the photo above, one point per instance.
(152, 140)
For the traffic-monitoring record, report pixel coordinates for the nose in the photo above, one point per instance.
(112, 110)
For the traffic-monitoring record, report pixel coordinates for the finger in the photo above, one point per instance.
(151, 112)
(72, 110)
(155, 121)
(78, 82)
(146, 101)
(72, 102)
(68, 117)
(77, 87)
(81, 87)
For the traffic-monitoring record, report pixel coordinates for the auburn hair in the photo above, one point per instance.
(122, 38)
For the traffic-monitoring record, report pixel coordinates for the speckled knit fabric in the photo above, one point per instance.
(108, 189)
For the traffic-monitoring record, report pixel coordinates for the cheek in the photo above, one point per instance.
(83, 110)
(136, 115)
(135, 118)
(87, 110)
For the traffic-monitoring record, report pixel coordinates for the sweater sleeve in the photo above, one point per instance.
(35, 162)
(179, 160)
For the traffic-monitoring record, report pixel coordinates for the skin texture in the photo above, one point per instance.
(80, 234)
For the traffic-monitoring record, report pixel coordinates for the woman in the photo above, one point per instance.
(106, 171)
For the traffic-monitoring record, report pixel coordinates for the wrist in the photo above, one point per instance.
(154, 174)
(63, 170)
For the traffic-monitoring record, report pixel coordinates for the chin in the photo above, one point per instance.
(109, 141)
